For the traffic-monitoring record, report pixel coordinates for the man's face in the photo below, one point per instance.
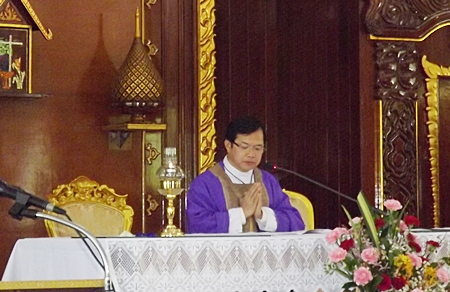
(246, 151)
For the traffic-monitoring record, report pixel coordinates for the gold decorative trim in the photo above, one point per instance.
(9, 13)
(152, 48)
(152, 205)
(372, 37)
(86, 190)
(153, 153)
(48, 35)
(20, 285)
(207, 89)
(433, 72)
(150, 2)
(135, 127)
(379, 178)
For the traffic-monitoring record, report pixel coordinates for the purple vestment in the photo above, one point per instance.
(206, 210)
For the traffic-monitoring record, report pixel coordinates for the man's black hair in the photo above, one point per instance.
(243, 125)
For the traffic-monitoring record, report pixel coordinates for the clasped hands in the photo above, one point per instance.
(251, 202)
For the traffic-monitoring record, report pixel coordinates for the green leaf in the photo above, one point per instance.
(377, 280)
(349, 285)
(434, 265)
(368, 219)
(347, 213)
(344, 274)
(446, 260)
(402, 212)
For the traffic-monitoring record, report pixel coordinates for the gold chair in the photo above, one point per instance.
(95, 207)
(304, 207)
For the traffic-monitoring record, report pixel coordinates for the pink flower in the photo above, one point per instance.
(362, 276)
(337, 255)
(417, 290)
(335, 234)
(392, 205)
(370, 255)
(403, 226)
(354, 221)
(417, 261)
(442, 274)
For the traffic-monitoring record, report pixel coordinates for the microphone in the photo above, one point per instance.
(26, 199)
(271, 166)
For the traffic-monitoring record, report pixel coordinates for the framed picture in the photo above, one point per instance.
(15, 56)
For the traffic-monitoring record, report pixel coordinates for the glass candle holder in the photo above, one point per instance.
(170, 176)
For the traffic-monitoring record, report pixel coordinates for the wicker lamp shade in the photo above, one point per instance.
(138, 88)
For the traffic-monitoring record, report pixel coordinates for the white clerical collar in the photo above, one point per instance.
(237, 176)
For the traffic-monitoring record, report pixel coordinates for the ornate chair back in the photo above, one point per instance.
(95, 207)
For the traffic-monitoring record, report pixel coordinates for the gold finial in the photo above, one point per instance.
(138, 27)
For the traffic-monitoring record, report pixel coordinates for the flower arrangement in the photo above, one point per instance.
(381, 253)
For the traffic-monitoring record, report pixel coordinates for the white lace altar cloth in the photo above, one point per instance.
(277, 262)
(259, 262)
(271, 262)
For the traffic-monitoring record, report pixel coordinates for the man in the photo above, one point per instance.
(234, 195)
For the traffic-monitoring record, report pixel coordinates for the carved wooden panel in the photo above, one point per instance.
(406, 19)
(398, 79)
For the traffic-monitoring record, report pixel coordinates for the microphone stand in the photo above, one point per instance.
(108, 286)
(275, 167)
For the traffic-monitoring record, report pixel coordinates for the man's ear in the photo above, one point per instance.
(227, 145)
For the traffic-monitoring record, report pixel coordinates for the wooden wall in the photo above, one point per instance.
(50, 141)
(296, 69)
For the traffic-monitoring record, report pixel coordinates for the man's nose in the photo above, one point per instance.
(251, 152)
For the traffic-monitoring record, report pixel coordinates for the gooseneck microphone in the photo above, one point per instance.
(272, 166)
(25, 199)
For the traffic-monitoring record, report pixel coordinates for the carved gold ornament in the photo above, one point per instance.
(207, 89)
(152, 205)
(9, 14)
(82, 188)
(433, 72)
(153, 153)
(150, 2)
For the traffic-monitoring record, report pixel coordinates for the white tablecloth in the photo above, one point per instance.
(269, 262)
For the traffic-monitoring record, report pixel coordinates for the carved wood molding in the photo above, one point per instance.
(434, 72)
(398, 79)
(407, 20)
(206, 86)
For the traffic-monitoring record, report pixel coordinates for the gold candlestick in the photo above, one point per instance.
(171, 230)
(170, 176)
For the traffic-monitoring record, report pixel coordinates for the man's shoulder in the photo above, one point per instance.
(206, 175)
(266, 175)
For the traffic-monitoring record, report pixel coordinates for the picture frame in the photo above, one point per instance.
(15, 58)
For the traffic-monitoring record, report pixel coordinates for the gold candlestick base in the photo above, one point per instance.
(171, 230)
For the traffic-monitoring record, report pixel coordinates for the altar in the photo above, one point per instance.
(250, 262)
